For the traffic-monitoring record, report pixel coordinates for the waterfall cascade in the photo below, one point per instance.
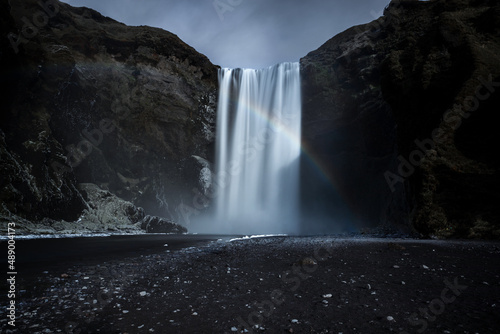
(258, 148)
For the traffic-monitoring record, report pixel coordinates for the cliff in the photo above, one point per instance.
(399, 113)
(90, 100)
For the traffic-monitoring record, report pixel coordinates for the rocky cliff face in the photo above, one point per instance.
(400, 114)
(90, 100)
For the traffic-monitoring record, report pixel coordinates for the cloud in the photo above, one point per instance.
(244, 33)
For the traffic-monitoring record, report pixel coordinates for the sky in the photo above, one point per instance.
(244, 33)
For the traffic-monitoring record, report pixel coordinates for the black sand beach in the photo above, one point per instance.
(268, 285)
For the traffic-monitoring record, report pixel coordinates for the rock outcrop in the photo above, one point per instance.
(90, 100)
(399, 113)
(107, 212)
(103, 213)
(153, 224)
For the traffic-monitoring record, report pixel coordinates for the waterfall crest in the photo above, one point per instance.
(257, 149)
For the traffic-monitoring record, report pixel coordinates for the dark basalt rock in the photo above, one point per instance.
(91, 100)
(107, 211)
(153, 224)
(376, 95)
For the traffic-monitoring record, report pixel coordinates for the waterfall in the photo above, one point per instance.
(257, 149)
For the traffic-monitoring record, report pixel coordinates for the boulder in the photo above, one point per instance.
(107, 212)
(153, 224)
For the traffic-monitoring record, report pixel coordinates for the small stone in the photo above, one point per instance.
(425, 267)
(294, 321)
(308, 262)
(389, 318)
(328, 295)
(142, 293)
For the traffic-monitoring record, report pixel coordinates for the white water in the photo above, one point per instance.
(258, 148)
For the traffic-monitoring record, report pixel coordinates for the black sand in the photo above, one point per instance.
(269, 285)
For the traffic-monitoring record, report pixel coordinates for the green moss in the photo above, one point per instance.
(482, 229)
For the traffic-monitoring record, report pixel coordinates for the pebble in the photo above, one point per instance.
(328, 295)
(390, 318)
(142, 293)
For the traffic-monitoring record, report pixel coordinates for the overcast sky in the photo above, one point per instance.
(244, 33)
